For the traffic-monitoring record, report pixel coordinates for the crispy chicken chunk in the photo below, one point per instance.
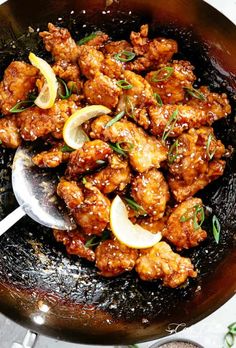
(172, 89)
(98, 41)
(18, 81)
(74, 242)
(70, 73)
(160, 262)
(93, 214)
(196, 162)
(115, 47)
(9, 132)
(51, 158)
(151, 53)
(144, 151)
(184, 224)
(150, 190)
(114, 258)
(71, 193)
(102, 90)
(90, 61)
(112, 68)
(152, 225)
(59, 42)
(116, 176)
(86, 158)
(35, 122)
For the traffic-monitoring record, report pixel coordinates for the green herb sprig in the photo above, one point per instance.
(197, 210)
(135, 206)
(229, 337)
(195, 93)
(121, 151)
(173, 152)
(209, 140)
(68, 91)
(129, 107)
(162, 74)
(125, 56)
(86, 39)
(115, 119)
(124, 84)
(95, 240)
(170, 125)
(158, 99)
(66, 148)
(216, 228)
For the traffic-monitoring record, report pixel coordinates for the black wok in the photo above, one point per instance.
(43, 288)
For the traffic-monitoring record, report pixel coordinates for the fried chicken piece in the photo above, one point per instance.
(137, 99)
(144, 151)
(98, 41)
(9, 132)
(51, 158)
(160, 262)
(102, 90)
(112, 67)
(150, 190)
(35, 122)
(116, 176)
(172, 89)
(196, 162)
(90, 61)
(94, 213)
(152, 52)
(85, 158)
(68, 72)
(114, 258)
(60, 44)
(184, 224)
(18, 81)
(152, 225)
(98, 127)
(74, 242)
(71, 193)
(115, 47)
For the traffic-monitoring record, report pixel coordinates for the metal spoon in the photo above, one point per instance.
(34, 189)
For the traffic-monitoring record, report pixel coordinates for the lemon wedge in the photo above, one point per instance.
(48, 93)
(134, 236)
(73, 134)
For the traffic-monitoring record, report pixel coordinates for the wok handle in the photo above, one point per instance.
(11, 219)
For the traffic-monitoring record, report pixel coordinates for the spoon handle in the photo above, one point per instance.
(11, 219)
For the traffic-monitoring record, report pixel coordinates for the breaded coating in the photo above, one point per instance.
(182, 191)
(172, 89)
(151, 53)
(116, 176)
(9, 132)
(71, 193)
(112, 67)
(102, 90)
(152, 225)
(51, 158)
(97, 127)
(74, 242)
(114, 258)
(115, 47)
(35, 122)
(18, 81)
(184, 224)
(68, 72)
(144, 152)
(60, 44)
(195, 162)
(98, 41)
(137, 99)
(160, 262)
(90, 61)
(85, 159)
(150, 190)
(93, 214)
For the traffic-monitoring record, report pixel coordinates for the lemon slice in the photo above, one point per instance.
(48, 93)
(73, 134)
(134, 236)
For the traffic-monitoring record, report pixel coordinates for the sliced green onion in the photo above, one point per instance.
(0, 142)
(95, 240)
(167, 72)
(84, 181)
(115, 119)
(216, 228)
(135, 206)
(174, 148)
(197, 210)
(101, 162)
(86, 39)
(170, 125)
(66, 148)
(158, 99)
(128, 56)
(129, 107)
(229, 340)
(21, 106)
(117, 148)
(195, 93)
(124, 84)
(209, 140)
(68, 91)
(232, 328)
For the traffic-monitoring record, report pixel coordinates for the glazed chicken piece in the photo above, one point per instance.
(98, 41)
(71, 193)
(60, 44)
(87, 158)
(115, 47)
(184, 224)
(196, 162)
(102, 90)
(90, 61)
(18, 81)
(144, 151)
(151, 53)
(194, 115)
(51, 158)
(172, 89)
(70, 73)
(114, 258)
(152, 225)
(160, 262)
(137, 99)
(151, 192)
(116, 176)
(74, 242)
(35, 122)
(112, 68)
(9, 132)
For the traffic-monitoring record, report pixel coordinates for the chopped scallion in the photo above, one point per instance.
(135, 206)
(162, 74)
(86, 39)
(158, 99)
(129, 107)
(170, 125)
(209, 140)
(121, 151)
(232, 328)
(68, 91)
(66, 148)
(195, 93)
(125, 56)
(124, 84)
(229, 340)
(173, 152)
(115, 119)
(21, 106)
(216, 228)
